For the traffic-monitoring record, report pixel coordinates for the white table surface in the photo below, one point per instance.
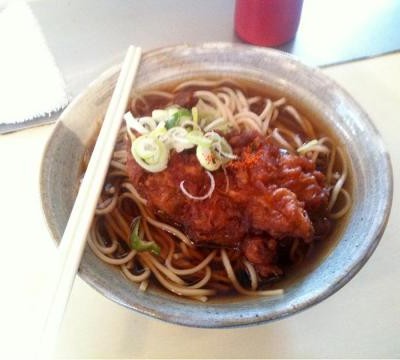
(361, 320)
(87, 36)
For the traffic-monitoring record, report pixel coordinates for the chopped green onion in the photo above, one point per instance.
(159, 130)
(150, 153)
(160, 115)
(197, 137)
(190, 125)
(179, 129)
(134, 124)
(138, 244)
(176, 138)
(195, 115)
(207, 158)
(224, 150)
(148, 122)
(147, 149)
(221, 146)
(172, 110)
(176, 117)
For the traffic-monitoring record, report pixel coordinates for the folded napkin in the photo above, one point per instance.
(31, 85)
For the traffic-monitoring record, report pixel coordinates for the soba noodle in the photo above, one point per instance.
(181, 268)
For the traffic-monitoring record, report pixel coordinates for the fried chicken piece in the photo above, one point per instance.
(264, 162)
(298, 174)
(269, 193)
(262, 253)
(216, 221)
(279, 214)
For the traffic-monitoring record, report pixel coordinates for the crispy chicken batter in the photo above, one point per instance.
(268, 198)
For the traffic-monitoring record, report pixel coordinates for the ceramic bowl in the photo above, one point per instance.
(308, 89)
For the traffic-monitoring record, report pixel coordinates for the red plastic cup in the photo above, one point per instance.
(267, 22)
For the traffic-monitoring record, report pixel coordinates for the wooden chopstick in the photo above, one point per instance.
(74, 238)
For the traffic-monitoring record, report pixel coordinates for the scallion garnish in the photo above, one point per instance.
(179, 129)
(177, 117)
(138, 244)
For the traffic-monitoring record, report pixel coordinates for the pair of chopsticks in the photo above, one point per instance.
(74, 238)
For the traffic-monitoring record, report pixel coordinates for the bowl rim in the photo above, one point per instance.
(218, 323)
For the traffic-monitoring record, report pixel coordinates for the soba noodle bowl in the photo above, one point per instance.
(179, 265)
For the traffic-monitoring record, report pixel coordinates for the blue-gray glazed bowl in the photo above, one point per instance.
(311, 91)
